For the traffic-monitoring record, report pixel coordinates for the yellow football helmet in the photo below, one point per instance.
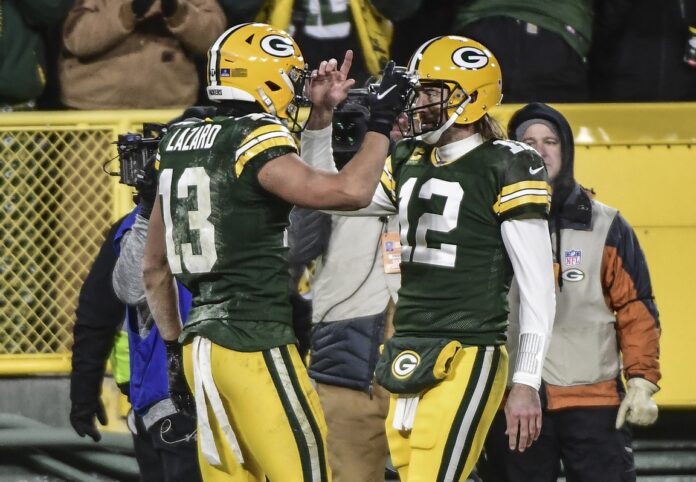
(258, 63)
(468, 77)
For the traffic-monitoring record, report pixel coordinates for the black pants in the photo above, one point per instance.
(167, 451)
(538, 66)
(583, 438)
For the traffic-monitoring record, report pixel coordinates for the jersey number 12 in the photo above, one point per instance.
(420, 252)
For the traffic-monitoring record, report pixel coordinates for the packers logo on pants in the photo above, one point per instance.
(405, 364)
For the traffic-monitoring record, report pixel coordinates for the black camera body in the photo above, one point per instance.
(350, 125)
(135, 151)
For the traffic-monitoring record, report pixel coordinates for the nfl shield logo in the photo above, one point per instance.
(573, 257)
(224, 72)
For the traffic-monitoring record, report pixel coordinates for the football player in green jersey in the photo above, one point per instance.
(472, 209)
(226, 186)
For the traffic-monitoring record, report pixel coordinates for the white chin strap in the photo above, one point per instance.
(433, 136)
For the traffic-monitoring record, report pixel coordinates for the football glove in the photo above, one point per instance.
(389, 99)
(146, 185)
(82, 418)
(178, 389)
(638, 407)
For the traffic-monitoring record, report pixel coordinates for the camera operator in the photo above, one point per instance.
(356, 283)
(163, 417)
(164, 438)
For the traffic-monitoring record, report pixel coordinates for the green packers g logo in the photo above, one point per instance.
(405, 364)
(470, 58)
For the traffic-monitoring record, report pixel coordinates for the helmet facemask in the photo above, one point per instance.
(445, 95)
(300, 107)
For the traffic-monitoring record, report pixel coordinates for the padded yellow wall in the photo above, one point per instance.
(641, 159)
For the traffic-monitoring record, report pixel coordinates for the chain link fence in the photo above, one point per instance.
(56, 205)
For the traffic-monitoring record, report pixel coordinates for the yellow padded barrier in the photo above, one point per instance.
(56, 205)
(641, 159)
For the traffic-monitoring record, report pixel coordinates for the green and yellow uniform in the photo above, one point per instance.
(224, 236)
(225, 232)
(455, 271)
(455, 275)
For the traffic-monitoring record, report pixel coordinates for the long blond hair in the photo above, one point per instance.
(489, 128)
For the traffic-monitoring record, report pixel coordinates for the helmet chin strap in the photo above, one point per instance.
(433, 136)
(266, 100)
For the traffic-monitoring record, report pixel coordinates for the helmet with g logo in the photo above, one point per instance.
(467, 75)
(258, 63)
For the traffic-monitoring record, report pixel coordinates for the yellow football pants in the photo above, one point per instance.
(452, 419)
(274, 413)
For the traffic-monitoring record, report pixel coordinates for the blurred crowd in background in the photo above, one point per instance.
(132, 54)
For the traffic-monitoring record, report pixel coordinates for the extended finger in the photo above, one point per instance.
(524, 435)
(532, 431)
(621, 415)
(101, 415)
(322, 67)
(93, 433)
(347, 63)
(512, 431)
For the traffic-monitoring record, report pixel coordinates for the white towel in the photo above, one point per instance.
(405, 412)
(204, 385)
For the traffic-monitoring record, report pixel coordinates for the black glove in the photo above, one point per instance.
(140, 7)
(146, 185)
(178, 389)
(169, 7)
(389, 100)
(82, 417)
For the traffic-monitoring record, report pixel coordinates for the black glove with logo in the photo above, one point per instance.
(169, 7)
(82, 418)
(178, 389)
(140, 7)
(389, 99)
(147, 189)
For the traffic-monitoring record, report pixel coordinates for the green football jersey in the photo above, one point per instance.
(224, 232)
(455, 271)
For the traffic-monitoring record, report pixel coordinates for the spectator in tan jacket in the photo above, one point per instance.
(121, 54)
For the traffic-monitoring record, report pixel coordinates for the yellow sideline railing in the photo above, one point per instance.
(56, 204)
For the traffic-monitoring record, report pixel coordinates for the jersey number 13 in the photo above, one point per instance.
(197, 221)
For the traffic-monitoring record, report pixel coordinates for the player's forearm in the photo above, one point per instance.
(359, 178)
(160, 289)
(316, 149)
(320, 118)
(528, 245)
